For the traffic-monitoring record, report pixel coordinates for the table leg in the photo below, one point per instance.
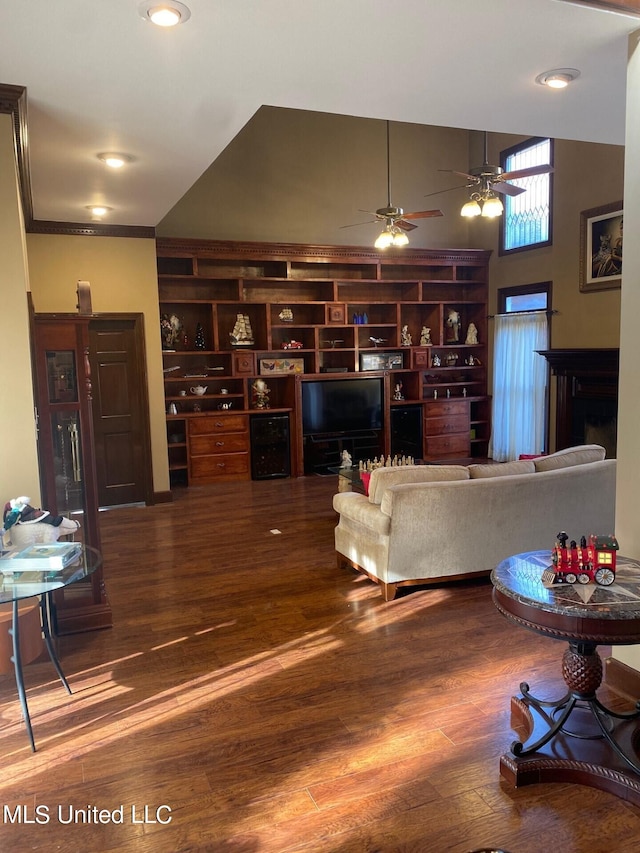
(46, 633)
(17, 665)
(576, 738)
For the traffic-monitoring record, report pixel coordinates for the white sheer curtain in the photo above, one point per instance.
(519, 385)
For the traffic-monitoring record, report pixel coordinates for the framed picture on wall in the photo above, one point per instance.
(601, 247)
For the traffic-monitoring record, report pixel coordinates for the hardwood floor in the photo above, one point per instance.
(278, 704)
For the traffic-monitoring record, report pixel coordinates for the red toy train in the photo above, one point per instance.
(592, 560)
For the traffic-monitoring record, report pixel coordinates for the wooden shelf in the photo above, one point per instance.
(207, 283)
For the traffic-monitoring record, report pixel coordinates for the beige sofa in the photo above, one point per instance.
(426, 523)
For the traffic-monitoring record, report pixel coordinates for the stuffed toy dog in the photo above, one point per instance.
(28, 525)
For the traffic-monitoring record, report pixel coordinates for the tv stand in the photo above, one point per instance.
(324, 451)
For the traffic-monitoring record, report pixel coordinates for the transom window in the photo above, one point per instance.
(526, 222)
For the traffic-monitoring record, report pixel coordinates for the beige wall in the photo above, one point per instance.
(18, 451)
(627, 527)
(122, 273)
(296, 176)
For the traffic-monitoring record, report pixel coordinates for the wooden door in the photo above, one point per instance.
(120, 410)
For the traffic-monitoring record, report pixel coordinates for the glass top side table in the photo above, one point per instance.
(33, 583)
(576, 738)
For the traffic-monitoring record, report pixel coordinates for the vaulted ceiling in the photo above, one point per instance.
(100, 78)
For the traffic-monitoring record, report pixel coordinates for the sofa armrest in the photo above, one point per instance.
(356, 508)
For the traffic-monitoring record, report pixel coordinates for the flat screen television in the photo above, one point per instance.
(335, 406)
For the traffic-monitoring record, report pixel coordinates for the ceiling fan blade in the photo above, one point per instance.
(355, 224)
(438, 192)
(507, 189)
(543, 169)
(406, 226)
(474, 178)
(422, 214)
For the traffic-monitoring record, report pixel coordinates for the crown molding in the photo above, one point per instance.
(89, 229)
(13, 102)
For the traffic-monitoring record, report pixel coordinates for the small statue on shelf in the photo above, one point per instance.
(346, 461)
(260, 394)
(397, 392)
(452, 326)
(472, 334)
(436, 361)
(425, 337)
(406, 336)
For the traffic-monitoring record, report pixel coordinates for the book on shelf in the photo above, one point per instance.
(40, 557)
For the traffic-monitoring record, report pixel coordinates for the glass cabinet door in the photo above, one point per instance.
(67, 466)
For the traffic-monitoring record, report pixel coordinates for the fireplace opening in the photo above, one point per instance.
(595, 422)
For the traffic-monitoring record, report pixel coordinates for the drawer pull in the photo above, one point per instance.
(219, 424)
(219, 443)
(221, 465)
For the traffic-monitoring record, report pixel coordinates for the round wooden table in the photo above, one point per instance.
(576, 738)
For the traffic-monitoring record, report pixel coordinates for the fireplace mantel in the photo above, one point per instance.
(587, 385)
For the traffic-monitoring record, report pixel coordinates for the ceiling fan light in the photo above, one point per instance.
(471, 208)
(492, 207)
(385, 239)
(400, 238)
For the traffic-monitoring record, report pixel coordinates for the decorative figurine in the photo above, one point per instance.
(452, 326)
(397, 393)
(286, 315)
(406, 337)
(425, 337)
(436, 361)
(242, 334)
(261, 393)
(472, 334)
(594, 560)
(170, 330)
(346, 462)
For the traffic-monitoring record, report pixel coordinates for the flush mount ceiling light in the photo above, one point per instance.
(559, 78)
(167, 14)
(114, 160)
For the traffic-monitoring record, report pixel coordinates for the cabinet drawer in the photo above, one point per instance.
(447, 445)
(216, 424)
(232, 442)
(206, 469)
(439, 408)
(446, 425)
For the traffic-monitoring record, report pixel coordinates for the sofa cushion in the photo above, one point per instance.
(502, 469)
(570, 456)
(382, 478)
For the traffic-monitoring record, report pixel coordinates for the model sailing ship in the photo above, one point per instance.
(242, 335)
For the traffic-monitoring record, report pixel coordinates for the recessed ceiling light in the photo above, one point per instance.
(114, 160)
(164, 14)
(98, 210)
(559, 78)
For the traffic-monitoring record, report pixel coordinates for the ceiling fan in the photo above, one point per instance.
(396, 221)
(487, 180)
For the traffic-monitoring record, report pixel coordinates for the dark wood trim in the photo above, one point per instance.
(187, 247)
(89, 229)
(13, 102)
(162, 497)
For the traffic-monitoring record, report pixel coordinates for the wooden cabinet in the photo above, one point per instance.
(218, 448)
(320, 310)
(67, 458)
(447, 429)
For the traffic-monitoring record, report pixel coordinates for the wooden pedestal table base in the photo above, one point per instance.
(576, 738)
